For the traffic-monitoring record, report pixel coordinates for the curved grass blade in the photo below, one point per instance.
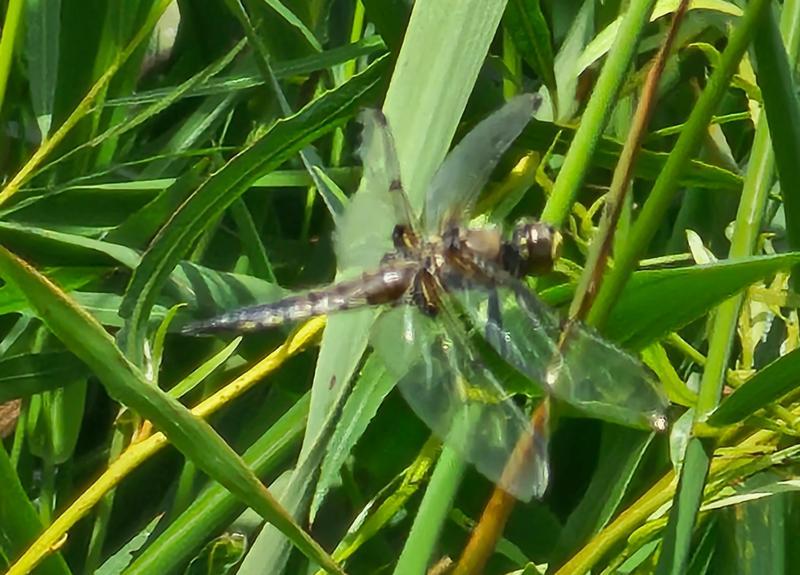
(639, 318)
(767, 385)
(19, 520)
(215, 507)
(284, 139)
(190, 434)
(28, 373)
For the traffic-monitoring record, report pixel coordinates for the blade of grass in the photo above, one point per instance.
(433, 512)
(667, 183)
(598, 111)
(758, 21)
(190, 434)
(369, 46)
(42, 34)
(85, 106)
(769, 384)
(19, 523)
(284, 139)
(215, 507)
(135, 455)
(527, 26)
(11, 24)
(270, 550)
(782, 108)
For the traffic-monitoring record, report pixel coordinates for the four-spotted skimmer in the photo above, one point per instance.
(453, 293)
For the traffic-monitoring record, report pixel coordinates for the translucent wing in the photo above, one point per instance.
(458, 182)
(364, 231)
(453, 392)
(583, 370)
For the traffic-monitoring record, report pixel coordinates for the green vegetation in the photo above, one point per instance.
(162, 164)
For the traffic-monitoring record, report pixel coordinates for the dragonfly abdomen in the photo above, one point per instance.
(384, 286)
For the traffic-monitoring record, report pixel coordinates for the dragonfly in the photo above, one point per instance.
(454, 300)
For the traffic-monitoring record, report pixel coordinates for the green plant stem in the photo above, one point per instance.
(119, 440)
(432, 514)
(600, 250)
(697, 461)
(666, 185)
(598, 111)
(11, 24)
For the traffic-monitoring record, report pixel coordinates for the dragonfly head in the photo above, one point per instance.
(532, 249)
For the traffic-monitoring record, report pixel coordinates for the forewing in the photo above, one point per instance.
(584, 370)
(456, 395)
(364, 231)
(465, 171)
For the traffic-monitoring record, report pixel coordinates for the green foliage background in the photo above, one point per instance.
(165, 161)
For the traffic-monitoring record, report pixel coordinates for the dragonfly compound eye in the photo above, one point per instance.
(534, 248)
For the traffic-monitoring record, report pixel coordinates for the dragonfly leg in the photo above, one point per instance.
(495, 334)
(423, 293)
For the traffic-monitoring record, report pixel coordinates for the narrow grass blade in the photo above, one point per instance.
(11, 25)
(528, 29)
(767, 385)
(666, 185)
(369, 391)
(195, 438)
(639, 319)
(28, 373)
(597, 113)
(215, 507)
(284, 139)
(422, 539)
(19, 523)
(756, 22)
(42, 33)
(782, 108)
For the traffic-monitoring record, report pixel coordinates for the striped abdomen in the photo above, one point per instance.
(387, 285)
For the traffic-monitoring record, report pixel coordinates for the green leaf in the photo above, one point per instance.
(215, 507)
(528, 29)
(19, 523)
(654, 303)
(42, 31)
(28, 373)
(767, 385)
(369, 391)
